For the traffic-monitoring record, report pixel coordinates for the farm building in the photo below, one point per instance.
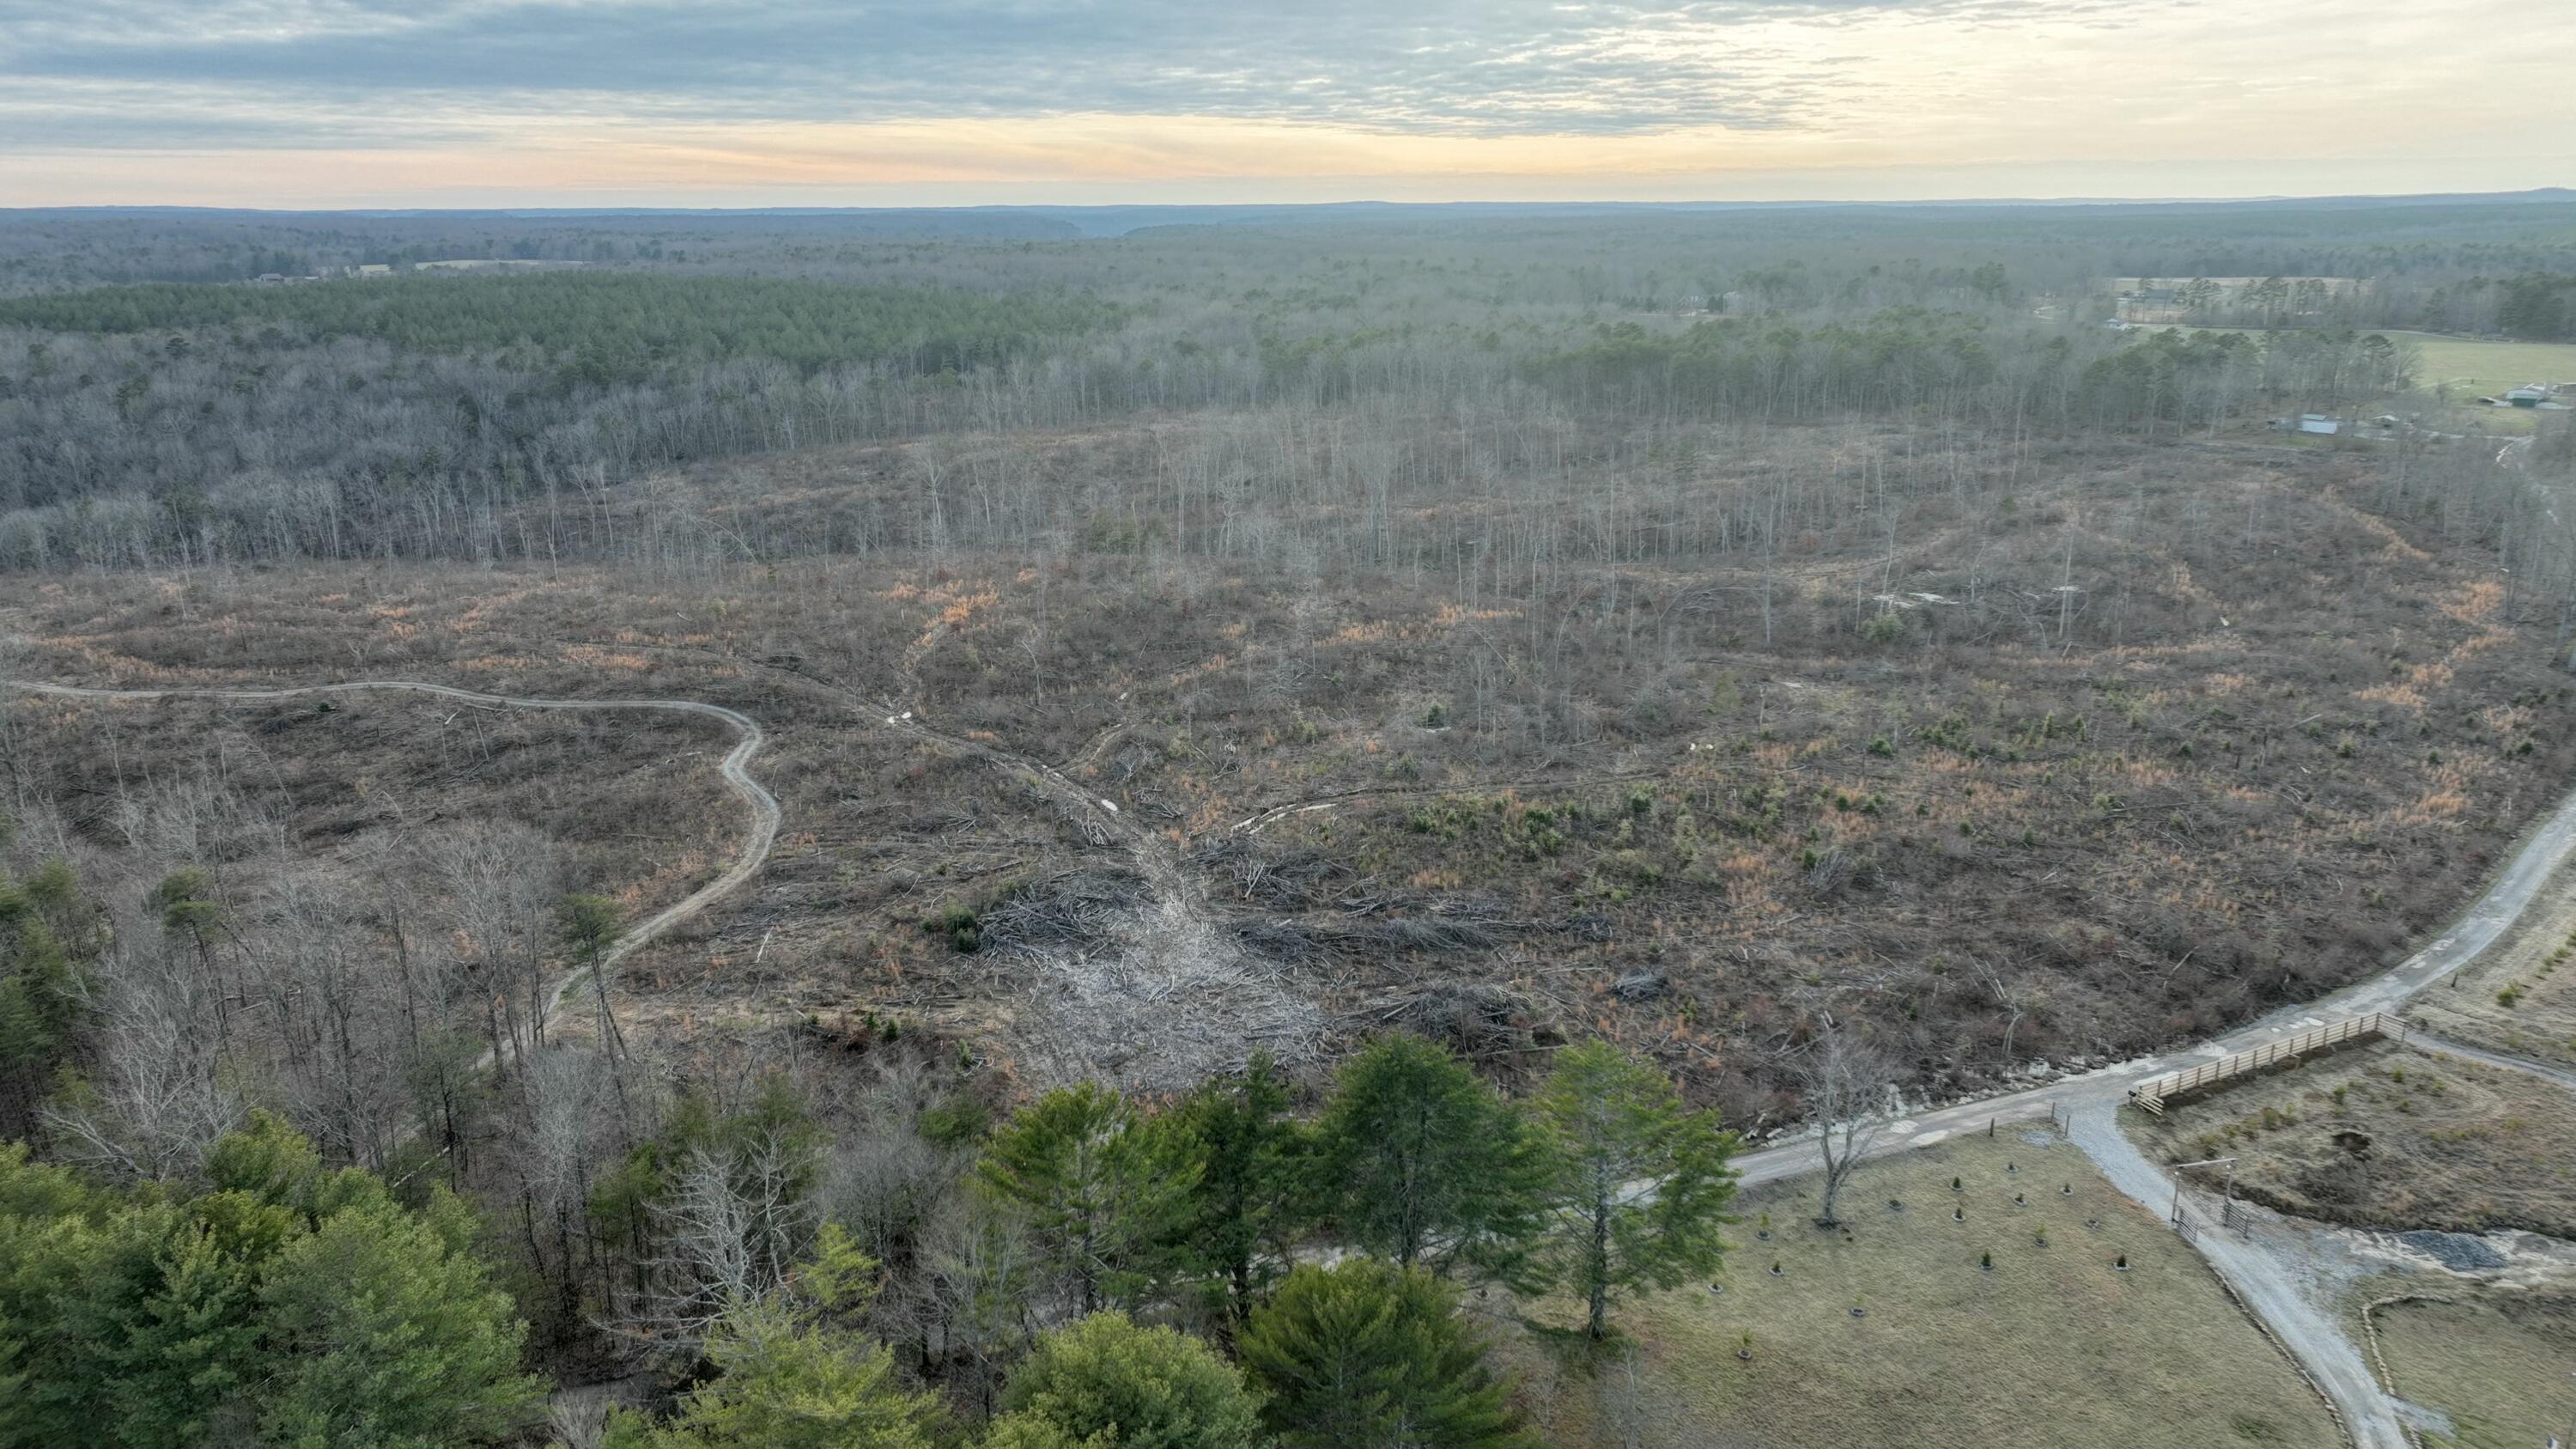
(2529, 395)
(2319, 423)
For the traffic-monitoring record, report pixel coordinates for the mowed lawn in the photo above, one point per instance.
(2471, 368)
(2504, 1370)
(2477, 365)
(2054, 1347)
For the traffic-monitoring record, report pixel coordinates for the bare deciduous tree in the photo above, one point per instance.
(1845, 1084)
(500, 877)
(160, 1095)
(731, 1227)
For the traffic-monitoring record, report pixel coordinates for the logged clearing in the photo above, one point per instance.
(2276, 727)
(2054, 1347)
(631, 803)
(2385, 1136)
(2502, 1367)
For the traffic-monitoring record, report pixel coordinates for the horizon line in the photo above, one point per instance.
(382, 210)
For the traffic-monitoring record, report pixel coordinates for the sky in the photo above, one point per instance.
(449, 103)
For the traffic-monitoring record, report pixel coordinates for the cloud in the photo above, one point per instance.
(320, 102)
(1463, 67)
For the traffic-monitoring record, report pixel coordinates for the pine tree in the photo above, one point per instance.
(1243, 1213)
(1103, 1190)
(789, 1383)
(385, 1333)
(1106, 1383)
(793, 1375)
(178, 1356)
(1641, 1182)
(1427, 1165)
(1366, 1355)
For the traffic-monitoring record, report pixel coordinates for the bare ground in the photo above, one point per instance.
(2385, 1136)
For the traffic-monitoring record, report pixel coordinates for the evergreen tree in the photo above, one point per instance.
(290, 1306)
(175, 1336)
(1103, 1190)
(1244, 1212)
(41, 999)
(1427, 1165)
(1366, 1355)
(51, 1254)
(1641, 1182)
(385, 1333)
(1106, 1383)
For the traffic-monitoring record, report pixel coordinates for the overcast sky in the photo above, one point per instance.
(807, 103)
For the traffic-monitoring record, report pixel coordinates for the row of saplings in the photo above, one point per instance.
(1600, 1184)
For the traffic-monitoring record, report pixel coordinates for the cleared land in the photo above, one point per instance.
(2466, 368)
(633, 805)
(2502, 1367)
(2054, 1347)
(2386, 1136)
(2470, 368)
(2278, 729)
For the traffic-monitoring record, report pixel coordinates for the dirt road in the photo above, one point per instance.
(736, 770)
(2092, 1103)
(2425, 1041)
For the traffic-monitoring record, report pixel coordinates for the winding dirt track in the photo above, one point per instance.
(736, 770)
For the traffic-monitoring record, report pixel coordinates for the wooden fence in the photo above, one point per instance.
(2152, 1094)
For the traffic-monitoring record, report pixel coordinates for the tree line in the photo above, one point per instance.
(1093, 1269)
(205, 1239)
(480, 415)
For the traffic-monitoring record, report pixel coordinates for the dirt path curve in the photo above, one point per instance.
(736, 770)
(2425, 1041)
(2272, 1295)
(2092, 1102)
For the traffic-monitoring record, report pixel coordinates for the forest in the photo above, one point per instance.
(1312, 756)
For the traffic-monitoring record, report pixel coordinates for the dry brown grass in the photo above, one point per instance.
(2386, 1136)
(2518, 996)
(2054, 1347)
(2501, 1365)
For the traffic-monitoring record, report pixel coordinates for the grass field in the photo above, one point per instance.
(2479, 365)
(2474, 367)
(2389, 1137)
(2519, 997)
(2054, 1347)
(2504, 1369)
